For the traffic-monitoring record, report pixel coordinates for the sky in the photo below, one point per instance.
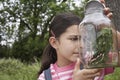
(77, 2)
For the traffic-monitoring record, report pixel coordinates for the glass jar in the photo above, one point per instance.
(98, 38)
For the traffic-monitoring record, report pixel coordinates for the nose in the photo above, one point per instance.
(80, 43)
(79, 46)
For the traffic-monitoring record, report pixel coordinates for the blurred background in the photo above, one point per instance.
(24, 33)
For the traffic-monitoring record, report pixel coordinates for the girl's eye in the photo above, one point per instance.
(74, 39)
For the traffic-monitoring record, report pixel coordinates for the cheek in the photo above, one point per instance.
(68, 47)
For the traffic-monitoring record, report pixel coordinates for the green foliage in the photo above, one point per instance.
(103, 46)
(29, 24)
(28, 49)
(4, 51)
(12, 69)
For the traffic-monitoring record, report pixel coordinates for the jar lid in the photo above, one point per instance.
(93, 6)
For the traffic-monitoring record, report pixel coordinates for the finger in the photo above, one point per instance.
(106, 10)
(92, 76)
(92, 71)
(96, 71)
(110, 15)
(77, 65)
(102, 1)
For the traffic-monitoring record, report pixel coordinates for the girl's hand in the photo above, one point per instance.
(85, 74)
(107, 11)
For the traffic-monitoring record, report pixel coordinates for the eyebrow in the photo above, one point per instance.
(79, 36)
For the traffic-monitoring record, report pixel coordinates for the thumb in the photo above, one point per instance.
(77, 65)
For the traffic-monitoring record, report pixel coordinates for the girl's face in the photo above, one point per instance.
(67, 47)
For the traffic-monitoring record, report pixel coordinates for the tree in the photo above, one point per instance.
(27, 22)
(114, 6)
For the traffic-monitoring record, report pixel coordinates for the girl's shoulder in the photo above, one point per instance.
(42, 76)
(59, 72)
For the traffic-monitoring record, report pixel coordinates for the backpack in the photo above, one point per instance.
(47, 74)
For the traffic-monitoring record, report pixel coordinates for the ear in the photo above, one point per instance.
(53, 42)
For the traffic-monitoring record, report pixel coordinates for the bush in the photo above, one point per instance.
(12, 69)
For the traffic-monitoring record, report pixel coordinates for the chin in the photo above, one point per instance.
(74, 60)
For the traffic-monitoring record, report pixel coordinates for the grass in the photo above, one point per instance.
(12, 69)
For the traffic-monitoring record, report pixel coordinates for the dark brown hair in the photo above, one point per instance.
(58, 26)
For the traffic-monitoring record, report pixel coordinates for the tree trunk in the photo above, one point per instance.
(114, 5)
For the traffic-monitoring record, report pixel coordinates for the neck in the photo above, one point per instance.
(62, 64)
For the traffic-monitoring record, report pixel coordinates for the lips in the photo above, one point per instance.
(76, 53)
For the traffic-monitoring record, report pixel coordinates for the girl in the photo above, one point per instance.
(61, 54)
